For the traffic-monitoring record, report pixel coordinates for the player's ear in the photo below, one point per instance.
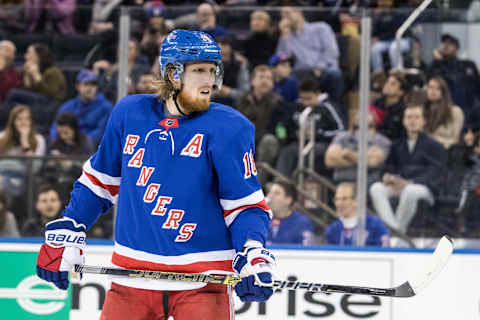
(174, 78)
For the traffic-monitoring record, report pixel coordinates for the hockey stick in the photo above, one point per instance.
(407, 289)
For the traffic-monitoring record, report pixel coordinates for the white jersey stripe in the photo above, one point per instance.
(184, 259)
(252, 198)
(102, 177)
(97, 190)
(231, 217)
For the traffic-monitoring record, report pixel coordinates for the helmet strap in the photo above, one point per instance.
(175, 95)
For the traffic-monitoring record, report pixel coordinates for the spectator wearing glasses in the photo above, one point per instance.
(345, 229)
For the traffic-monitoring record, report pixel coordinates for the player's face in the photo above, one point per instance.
(48, 204)
(277, 199)
(198, 80)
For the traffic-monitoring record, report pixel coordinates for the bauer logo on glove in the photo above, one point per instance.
(60, 240)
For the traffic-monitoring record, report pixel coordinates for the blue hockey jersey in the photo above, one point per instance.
(377, 233)
(294, 229)
(183, 186)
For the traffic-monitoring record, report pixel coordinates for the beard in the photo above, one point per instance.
(191, 104)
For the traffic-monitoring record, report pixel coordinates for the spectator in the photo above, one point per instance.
(48, 206)
(266, 110)
(344, 230)
(236, 75)
(386, 22)
(328, 123)
(9, 17)
(137, 65)
(207, 21)
(461, 75)
(73, 147)
(287, 225)
(463, 178)
(40, 75)
(9, 77)
(19, 139)
(388, 109)
(411, 172)
(342, 153)
(314, 47)
(261, 42)
(286, 84)
(258, 104)
(145, 84)
(70, 140)
(104, 15)
(444, 119)
(154, 32)
(20, 136)
(8, 223)
(90, 107)
(44, 16)
(377, 81)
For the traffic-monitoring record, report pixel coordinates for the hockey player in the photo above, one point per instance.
(181, 171)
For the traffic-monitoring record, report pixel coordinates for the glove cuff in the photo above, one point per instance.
(65, 232)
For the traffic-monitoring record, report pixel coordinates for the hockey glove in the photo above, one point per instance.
(256, 266)
(63, 248)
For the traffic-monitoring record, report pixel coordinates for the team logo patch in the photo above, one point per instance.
(168, 123)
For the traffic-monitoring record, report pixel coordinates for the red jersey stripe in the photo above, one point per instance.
(113, 190)
(262, 205)
(196, 267)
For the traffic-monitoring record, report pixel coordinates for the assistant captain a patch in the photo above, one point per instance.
(194, 147)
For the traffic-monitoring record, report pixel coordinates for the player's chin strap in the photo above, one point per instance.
(175, 95)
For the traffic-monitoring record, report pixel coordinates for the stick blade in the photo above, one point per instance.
(437, 262)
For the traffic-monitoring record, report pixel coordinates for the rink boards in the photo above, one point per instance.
(453, 295)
